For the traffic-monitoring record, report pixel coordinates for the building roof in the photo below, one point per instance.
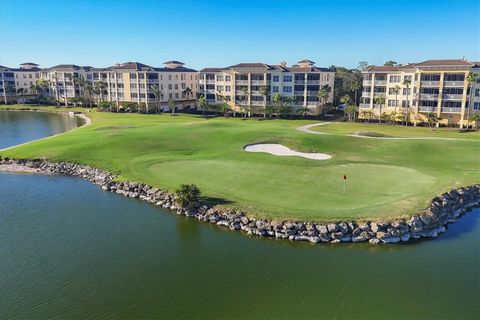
(178, 69)
(30, 63)
(25, 70)
(306, 61)
(213, 69)
(173, 62)
(382, 68)
(249, 65)
(445, 62)
(131, 66)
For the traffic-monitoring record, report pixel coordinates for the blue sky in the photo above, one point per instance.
(221, 33)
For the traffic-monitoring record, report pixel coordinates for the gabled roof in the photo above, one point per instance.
(132, 66)
(25, 70)
(173, 62)
(446, 62)
(251, 66)
(306, 61)
(3, 68)
(205, 70)
(382, 69)
(178, 69)
(30, 63)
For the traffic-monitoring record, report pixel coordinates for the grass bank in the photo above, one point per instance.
(386, 178)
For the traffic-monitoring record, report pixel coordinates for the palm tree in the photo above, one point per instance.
(407, 83)
(202, 102)
(264, 91)
(100, 86)
(472, 78)
(187, 92)
(396, 90)
(354, 86)
(323, 95)
(157, 94)
(88, 89)
(277, 99)
(346, 99)
(290, 101)
(244, 91)
(35, 89)
(432, 120)
(172, 105)
(7, 88)
(380, 100)
(80, 82)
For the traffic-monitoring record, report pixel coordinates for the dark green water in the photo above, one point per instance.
(70, 250)
(22, 126)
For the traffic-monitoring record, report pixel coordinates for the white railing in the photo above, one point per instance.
(430, 83)
(427, 109)
(451, 110)
(453, 83)
(428, 95)
(452, 96)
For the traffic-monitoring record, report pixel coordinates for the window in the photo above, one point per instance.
(276, 78)
(169, 77)
(477, 92)
(476, 106)
(275, 89)
(228, 88)
(392, 103)
(183, 85)
(287, 79)
(407, 91)
(228, 78)
(176, 86)
(395, 79)
(430, 77)
(219, 88)
(133, 86)
(287, 88)
(407, 78)
(452, 90)
(176, 95)
(133, 76)
(219, 78)
(170, 87)
(454, 77)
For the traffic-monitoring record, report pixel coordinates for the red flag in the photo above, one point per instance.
(344, 177)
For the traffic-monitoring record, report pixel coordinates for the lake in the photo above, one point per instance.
(70, 250)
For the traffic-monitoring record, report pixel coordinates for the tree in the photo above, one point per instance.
(100, 87)
(173, 106)
(80, 82)
(354, 86)
(187, 195)
(88, 90)
(277, 99)
(245, 94)
(367, 115)
(476, 120)
(104, 105)
(75, 100)
(290, 100)
(202, 102)
(303, 111)
(362, 65)
(472, 78)
(390, 63)
(350, 111)
(346, 99)
(432, 120)
(380, 101)
(396, 90)
(187, 92)
(157, 94)
(407, 83)
(264, 92)
(324, 93)
(35, 90)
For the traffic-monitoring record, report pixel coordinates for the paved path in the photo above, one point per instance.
(307, 128)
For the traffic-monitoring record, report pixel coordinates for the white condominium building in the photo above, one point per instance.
(126, 82)
(255, 84)
(438, 86)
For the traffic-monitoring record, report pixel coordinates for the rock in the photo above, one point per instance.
(336, 235)
(374, 241)
(358, 239)
(322, 229)
(332, 227)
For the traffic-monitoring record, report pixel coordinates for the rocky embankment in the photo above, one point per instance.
(443, 210)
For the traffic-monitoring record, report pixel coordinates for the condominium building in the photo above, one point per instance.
(126, 82)
(438, 86)
(255, 85)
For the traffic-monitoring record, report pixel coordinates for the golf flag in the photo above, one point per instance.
(344, 183)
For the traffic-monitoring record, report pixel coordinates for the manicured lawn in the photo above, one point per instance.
(385, 177)
(395, 131)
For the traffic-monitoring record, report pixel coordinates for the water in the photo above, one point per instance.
(70, 250)
(22, 126)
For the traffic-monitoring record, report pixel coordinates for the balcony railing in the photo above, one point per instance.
(430, 83)
(380, 94)
(429, 96)
(381, 82)
(366, 93)
(367, 82)
(257, 82)
(452, 96)
(299, 93)
(313, 81)
(453, 83)
(427, 109)
(364, 105)
(240, 82)
(257, 103)
(300, 81)
(451, 110)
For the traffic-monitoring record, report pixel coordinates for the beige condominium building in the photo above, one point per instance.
(125, 82)
(438, 86)
(255, 84)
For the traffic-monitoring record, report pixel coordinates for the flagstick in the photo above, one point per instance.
(344, 185)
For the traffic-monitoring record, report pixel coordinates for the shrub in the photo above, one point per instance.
(187, 195)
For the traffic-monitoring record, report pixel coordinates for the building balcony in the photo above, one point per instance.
(427, 109)
(210, 81)
(258, 82)
(257, 103)
(451, 110)
(430, 83)
(152, 80)
(313, 81)
(239, 93)
(380, 82)
(453, 83)
(380, 94)
(300, 81)
(365, 105)
(257, 92)
(241, 82)
(452, 96)
(367, 82)
(299, 93)
(366, 94)
(429, 96)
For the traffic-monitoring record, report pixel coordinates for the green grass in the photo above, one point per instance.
(395, 131)
(386, 178)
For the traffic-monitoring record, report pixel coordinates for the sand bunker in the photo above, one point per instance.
(280, 150)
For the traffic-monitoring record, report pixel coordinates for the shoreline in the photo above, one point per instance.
(443, 210)
(87, 121)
